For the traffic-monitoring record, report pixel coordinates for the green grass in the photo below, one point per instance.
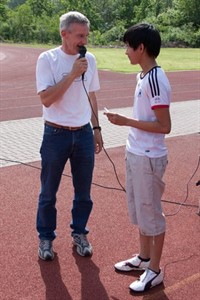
(170, 59)
(114, 59)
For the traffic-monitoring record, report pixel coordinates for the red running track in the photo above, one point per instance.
(18, 98)
(70, 277)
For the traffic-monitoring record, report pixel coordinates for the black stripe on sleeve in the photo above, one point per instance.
(153, 82)
(156, 78)
(149, 77)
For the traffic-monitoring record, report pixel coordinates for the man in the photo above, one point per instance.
(66, 84)
(146, 154)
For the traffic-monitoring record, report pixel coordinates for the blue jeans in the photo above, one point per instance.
(57, 147)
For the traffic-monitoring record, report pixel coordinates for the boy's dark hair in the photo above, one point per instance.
(146, 34)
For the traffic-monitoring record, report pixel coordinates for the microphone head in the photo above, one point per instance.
(82, 51)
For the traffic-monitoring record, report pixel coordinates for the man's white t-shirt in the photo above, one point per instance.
(73, 108)
(152, 91)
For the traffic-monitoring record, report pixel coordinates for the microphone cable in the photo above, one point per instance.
(120, 189)
(63, 174)
(82, 52)
(117, 189)
(109, 158)
(187, 194)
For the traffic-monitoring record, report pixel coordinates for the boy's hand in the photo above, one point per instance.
(116, 118)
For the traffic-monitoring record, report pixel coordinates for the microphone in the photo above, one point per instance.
(82, 51)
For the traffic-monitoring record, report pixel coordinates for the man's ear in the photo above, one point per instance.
(63, 33)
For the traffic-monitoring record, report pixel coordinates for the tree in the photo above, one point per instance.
(22, 24)
(40, 7)
(15, 3)
(190, 11)
(38, 20)
(151, 8)
(3, 9)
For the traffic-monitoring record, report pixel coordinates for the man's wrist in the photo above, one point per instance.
(97, 127)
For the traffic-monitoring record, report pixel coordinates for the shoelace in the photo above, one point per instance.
(46, 244)
(83, 240)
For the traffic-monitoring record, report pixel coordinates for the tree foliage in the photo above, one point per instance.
(3, 9)
(38, 20)
(191, 11)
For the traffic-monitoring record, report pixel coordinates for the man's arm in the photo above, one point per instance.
(93, 102)
(54, 93)
(95, 123)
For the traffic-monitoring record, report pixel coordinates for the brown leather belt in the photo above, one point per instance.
(63, 127)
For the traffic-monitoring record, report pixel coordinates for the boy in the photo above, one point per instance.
(146, 154)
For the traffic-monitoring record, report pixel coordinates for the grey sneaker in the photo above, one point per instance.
(146, 281)
(83, 247)
(133, 263)
(45, 250)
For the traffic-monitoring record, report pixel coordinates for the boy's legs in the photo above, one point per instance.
(152, 232)
(152, 247)
(144, 246)
(149, 254)
(144, 191)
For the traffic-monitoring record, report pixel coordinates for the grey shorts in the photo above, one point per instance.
(144, 188)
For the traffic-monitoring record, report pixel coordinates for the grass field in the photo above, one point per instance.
(114, 59)
(170, 59)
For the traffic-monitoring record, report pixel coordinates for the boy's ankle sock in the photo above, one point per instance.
(143, 259)
(154, 271)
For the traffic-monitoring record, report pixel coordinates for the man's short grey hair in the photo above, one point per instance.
(72, 17)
